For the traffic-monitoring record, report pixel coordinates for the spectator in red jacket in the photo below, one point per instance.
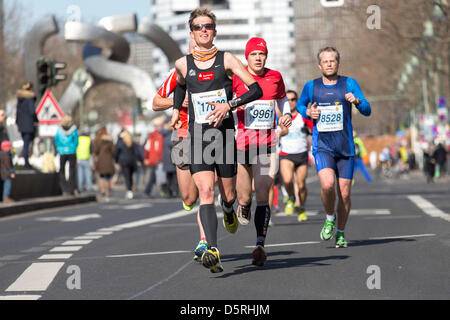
(153, 152)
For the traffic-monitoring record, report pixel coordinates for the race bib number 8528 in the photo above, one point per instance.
(331, 118)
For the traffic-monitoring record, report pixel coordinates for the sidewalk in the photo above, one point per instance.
(33, 204)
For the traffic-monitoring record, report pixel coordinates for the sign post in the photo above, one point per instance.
(49, 115)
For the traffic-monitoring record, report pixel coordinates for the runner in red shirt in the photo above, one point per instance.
(256, 141)
(180, 151)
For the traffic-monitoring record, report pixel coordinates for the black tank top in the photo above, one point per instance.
(208, 85)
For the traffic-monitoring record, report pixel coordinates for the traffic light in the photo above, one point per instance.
(54, 69)
(43, 75)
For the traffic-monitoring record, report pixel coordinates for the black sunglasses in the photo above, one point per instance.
(294, 99)
(198, 27)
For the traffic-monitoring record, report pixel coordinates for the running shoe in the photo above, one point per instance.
(301, 214)
(211, 260)
(340, 240)
(188, 208)
(327, 230)
(202, 245)
(259, 256)
(244, 215)
(289, 208)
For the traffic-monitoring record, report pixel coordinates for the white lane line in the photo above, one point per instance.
(76, 242)
(309, 213)
(147, 254)
(353, 212)
(36, 277)
(103, 233)
(20, 297)
(287, 244)
(429, 208)
(108, 229)
(137, 206)
(55, 256)
(366, 212)
(405, 236)
(66, 249)
(71, 219)
(87, 237)
(169, 216)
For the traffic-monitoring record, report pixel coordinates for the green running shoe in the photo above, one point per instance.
(340, 240)
(188, 208)
(289, 208)
(211, 260)
(327, 230)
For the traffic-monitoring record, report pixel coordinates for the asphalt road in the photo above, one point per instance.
(141, 249)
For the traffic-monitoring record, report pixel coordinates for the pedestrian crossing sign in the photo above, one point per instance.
(48, 111)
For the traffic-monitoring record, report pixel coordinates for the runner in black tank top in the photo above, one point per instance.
(203, 86)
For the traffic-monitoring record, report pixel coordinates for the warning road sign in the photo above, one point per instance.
(48, 111)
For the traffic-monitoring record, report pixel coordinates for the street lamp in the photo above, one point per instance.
(80, 77)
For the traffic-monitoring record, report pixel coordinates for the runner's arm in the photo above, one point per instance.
(305, 99)
(283, 104)
(161, 104)
(161, 101)
(180, 90)
(364, 106)
(254, 90)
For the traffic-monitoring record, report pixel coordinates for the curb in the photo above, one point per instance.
(25, 206)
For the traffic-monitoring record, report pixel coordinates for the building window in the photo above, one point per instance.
(232, 21)
(232, 37)
(263, 20)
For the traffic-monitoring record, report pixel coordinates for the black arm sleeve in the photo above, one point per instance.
(178, 96)
(254, 93)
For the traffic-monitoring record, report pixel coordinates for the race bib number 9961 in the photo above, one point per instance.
(260, 114)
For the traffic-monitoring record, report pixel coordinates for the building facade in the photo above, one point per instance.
(237, 21)
(318, 26)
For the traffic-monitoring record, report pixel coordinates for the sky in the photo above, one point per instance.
(90, 11)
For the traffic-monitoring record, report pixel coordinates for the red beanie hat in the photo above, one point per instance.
(255, 44)
(6, 145)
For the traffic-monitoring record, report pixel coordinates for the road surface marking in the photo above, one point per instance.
(353, 212)
(108, 229)
(76, 242)
(286, 244)
(87, 237)
(71, 219)
(148, 254)
(55, 256)
(429, 208)
(309, 213)
(104, 233)
(404, 237)
(144, 222)
(137, 206)
(36, 277)
(20, 297)
(366, 212)
(66, 249)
